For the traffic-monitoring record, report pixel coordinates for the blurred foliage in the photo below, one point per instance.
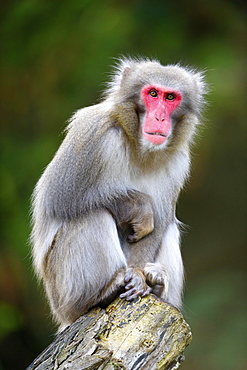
(55, 58)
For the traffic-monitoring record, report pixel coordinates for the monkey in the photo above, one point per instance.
(104, 210)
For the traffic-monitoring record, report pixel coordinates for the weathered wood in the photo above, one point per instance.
(144, 334)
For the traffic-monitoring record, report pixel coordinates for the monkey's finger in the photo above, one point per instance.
(126, 294)
(132, 238)
(128, 276)
(138, 234)
(135, 282)
(138, 293)
(147, 292)
(131, 294)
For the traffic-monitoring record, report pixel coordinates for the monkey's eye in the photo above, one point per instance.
(170, 96)
(153, 93)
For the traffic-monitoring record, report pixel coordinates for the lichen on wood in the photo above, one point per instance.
(144, 334)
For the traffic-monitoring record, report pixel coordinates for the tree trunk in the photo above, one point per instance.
(144, 334)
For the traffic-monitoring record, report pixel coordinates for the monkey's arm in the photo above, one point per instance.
(71, 187)
(89, 172)
(135, 213)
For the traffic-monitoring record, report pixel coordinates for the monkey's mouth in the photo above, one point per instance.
(155, 137)
(156, 133)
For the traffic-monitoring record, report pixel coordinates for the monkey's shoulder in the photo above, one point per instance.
(95, 126)
(90, 117)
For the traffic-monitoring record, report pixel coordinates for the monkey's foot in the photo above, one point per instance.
(135, 284)
(157, 279)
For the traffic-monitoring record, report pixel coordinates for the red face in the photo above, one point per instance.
(160, 102)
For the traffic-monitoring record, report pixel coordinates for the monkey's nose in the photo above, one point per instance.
(160, 119)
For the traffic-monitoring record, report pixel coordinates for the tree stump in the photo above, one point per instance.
(147, 333)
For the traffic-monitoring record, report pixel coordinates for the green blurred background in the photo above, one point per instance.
(55, 58)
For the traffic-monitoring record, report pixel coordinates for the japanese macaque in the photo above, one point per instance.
(104, 219)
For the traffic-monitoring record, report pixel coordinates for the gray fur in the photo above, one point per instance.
(79, 251)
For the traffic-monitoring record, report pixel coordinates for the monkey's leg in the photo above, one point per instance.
(159, 258)
(165, 276)
(112, 289)
(83, 258)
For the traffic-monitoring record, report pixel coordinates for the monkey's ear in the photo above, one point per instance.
(124, 64)
(121, 70)
(200, 82)
(202, 90)
(125, 74)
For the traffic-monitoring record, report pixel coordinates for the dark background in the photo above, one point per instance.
(55, 57)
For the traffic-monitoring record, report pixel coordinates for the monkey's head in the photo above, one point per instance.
(166, 99)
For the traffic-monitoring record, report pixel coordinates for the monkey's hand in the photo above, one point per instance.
(135, 284)
(157, 279)
(141, 224)
(135, 213)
